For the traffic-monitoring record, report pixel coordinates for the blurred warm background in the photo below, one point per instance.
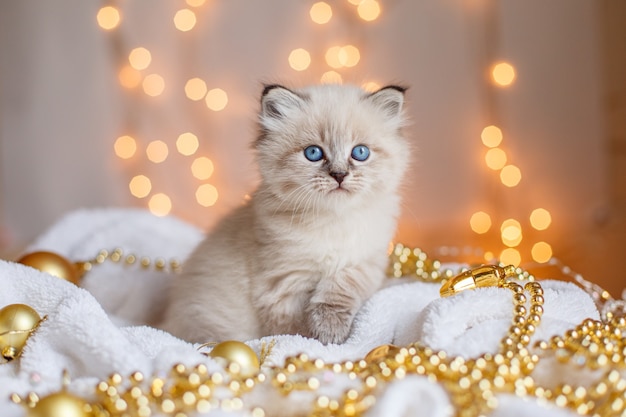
(518, 111)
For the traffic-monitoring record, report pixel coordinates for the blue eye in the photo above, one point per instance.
(360, 152)
(313, 153)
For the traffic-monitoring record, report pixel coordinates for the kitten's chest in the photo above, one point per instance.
(343, 240)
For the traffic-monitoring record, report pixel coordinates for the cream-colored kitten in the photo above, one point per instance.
(310, 246)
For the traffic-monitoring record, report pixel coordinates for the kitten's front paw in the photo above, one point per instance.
(329, 324)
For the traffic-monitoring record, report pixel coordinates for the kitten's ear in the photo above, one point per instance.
(278, 102)
(389, 99)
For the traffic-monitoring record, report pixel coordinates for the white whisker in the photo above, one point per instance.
(288, 198)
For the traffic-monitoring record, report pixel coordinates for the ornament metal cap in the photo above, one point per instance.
(483, 276)
(9, 353)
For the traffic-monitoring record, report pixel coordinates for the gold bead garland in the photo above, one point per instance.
(117, 256)
(473, 384)
(607, 305)
(183, 391)
(598, 347)
(405, 261)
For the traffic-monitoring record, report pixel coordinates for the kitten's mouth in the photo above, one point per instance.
(340, 189)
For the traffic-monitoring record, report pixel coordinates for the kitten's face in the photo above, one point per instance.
(331, 146)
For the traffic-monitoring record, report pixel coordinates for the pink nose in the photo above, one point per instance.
(339, 176)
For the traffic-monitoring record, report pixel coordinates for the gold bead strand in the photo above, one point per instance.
(608, 306)
(599, 347)
(405, 261)
(183, 392)
(117, 256)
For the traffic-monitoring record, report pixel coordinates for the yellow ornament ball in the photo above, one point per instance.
(237, 352)
(17, 322)
(60, 404)
(380, 353)
(53, 264)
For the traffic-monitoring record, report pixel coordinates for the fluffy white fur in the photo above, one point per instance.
(307, 250)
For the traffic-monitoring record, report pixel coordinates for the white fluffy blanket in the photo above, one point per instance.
(94, 331)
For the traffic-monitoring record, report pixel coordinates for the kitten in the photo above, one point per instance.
(310, 246)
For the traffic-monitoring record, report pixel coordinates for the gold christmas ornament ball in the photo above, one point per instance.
(17, 321)
(237, 352)
(380, 352)
(53, 264)
(60, 404)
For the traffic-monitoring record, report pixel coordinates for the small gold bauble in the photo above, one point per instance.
(240, 353)
(379, 353)
(60, 404)
(17, 321)
(53, 264)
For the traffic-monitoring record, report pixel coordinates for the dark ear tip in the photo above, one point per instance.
(399, 88)
(269, 87)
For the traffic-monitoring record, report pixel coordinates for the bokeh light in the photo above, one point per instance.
(495, 158)
(510, 175)
(371, 86)
(511, 232)
(299, 59)
(503, 74)
(510, 256)
(480, 222)
(216, 99)
(140, 186)
(157, 151)
(129, 77)
(140, 58)
(541, 252)
(153, 85)
(160, 205)
(202, 168)
(540, 219)
(321, 12)
(195, 3)
(206, 195)
(195, 89)
(108, 17)
(368, 10)
(491, 136)
(125, 147)
(332, 57)
(342, 56)
(331, 77)
(349, 56)
(187, 144)
(185, 20)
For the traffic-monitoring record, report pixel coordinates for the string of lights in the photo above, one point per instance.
(511, 233)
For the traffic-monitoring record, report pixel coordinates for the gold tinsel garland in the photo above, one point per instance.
(473, 384)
